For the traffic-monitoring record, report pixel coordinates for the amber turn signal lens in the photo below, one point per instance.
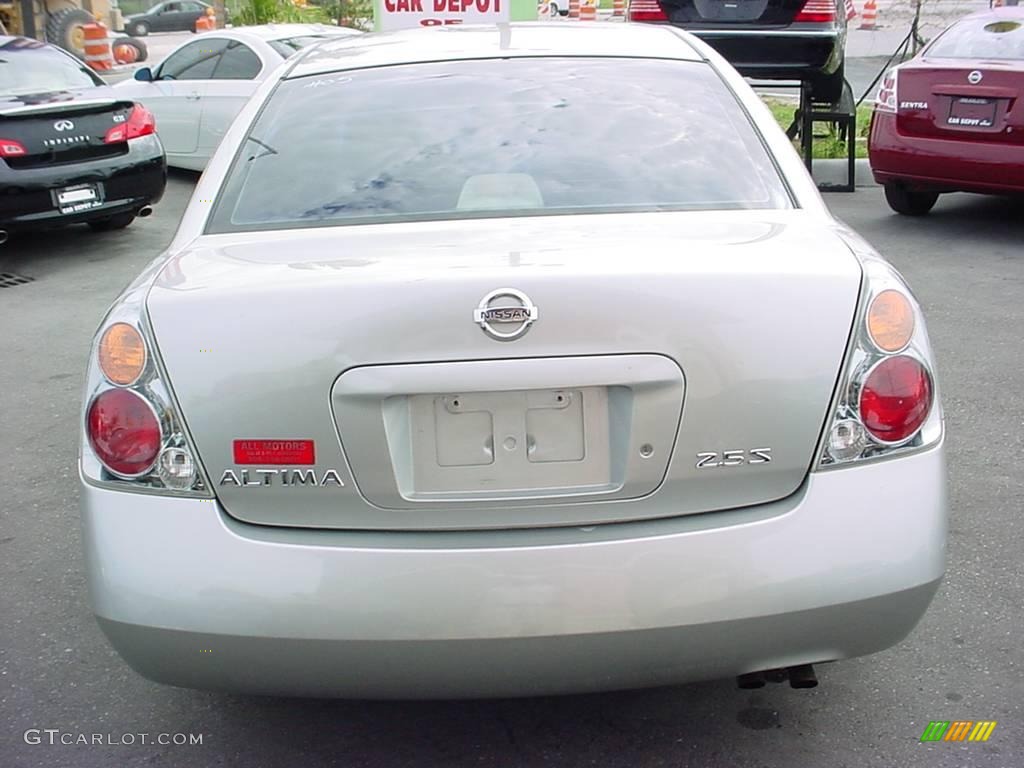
(122, 354)
(890, 321)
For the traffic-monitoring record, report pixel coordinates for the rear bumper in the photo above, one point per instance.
(777, 54)
(129, 182)
(190, 597)
(941, 164)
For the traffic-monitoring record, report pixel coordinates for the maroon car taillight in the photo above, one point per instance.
(12, 148)
(124, 431)
(888, 403)
(646, 10)
(139, 123)
(817, 11)
(885, 100)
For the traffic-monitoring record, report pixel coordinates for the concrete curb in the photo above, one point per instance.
(834, 172)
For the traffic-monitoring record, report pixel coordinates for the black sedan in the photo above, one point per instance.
(765, 39)
(173, 16)
(71, 149)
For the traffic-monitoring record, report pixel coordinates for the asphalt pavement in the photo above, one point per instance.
(964, 661)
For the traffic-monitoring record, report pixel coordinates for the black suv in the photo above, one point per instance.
(768, 39)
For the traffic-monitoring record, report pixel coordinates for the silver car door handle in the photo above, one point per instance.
(193, 97)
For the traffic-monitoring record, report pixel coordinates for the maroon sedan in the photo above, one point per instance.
(952, 119)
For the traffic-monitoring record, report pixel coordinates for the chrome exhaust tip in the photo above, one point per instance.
(3, 236)
(145, 211)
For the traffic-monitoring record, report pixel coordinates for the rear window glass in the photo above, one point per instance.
(467, 139)
(291, 45)
(30, 69)
(981, 39)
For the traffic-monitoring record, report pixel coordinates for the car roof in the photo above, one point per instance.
(20, 44)
(269, 32)
(1008, 13)
(452, 43)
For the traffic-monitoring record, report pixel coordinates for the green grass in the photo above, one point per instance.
(826, 142)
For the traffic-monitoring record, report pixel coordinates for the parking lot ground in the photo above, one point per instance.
(964, 661)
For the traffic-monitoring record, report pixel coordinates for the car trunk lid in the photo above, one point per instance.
(948, 99)
(58, 128)
(658, 339)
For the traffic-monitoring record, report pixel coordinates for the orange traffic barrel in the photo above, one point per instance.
(207, 22)
(574, 9)
(588, 10)
(97, 47)
(124, 53)
(619, 8)
(870, 15)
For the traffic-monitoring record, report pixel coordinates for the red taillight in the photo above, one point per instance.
(12, 148)
(817, 11)
(139, 123)
(124, 432)
(646, 10)
(895, 399)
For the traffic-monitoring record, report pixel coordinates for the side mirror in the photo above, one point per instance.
(144, 74)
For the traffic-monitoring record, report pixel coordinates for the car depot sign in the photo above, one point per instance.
(405, 14)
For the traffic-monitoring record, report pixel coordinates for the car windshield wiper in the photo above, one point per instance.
(269, 149)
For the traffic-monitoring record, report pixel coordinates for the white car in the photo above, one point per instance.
(198, 89)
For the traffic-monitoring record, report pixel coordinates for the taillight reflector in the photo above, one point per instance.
(12, 148)
(817, 11)
(274, 452)
(646, 10)
(122, 354)
(124, 432)
(885, 99)
(895, 399)
(890, 321)
(139, 123)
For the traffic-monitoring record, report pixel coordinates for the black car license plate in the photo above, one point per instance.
(971, 112)
(80, 197)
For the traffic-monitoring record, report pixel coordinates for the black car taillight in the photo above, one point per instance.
(817, 11)
(646, 10)
(12, 148)
(139, 123)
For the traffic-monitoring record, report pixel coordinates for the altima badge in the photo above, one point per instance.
(505, 306)
(289, 478)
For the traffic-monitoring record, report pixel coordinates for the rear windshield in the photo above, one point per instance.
(981, 39)
(510, 137)
(289, 46)
(27, 68)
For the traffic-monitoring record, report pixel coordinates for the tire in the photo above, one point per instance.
(138, 29)
(141, 51)
(64, 29)
(909, 202)
(828, 89)
(117, 221)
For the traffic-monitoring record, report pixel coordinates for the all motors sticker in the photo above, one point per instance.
(405, 14)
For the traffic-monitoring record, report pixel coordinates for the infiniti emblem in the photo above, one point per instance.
(505, 306)
(64, 125)
(974, 77)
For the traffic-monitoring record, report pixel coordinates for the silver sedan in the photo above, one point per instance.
(507, 361)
